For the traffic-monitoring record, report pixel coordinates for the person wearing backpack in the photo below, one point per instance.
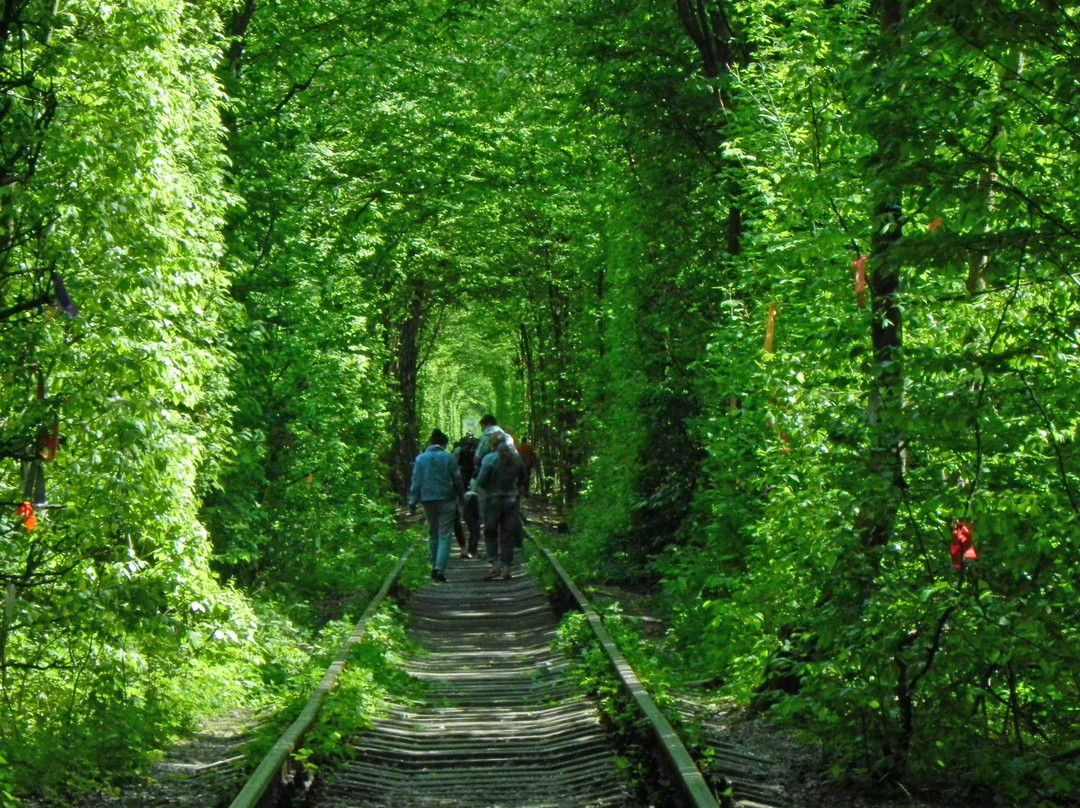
(502, 480)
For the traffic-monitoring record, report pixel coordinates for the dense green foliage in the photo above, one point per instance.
(780, 290)
(844, 442)
(112, 189)
(127, 421)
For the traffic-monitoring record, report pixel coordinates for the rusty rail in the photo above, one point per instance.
(275, 771)
(689, 778)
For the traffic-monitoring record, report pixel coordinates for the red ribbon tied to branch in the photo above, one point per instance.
(49, 443)
(962, 549)
(26, 511)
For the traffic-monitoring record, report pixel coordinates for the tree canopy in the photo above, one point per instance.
(782, 292)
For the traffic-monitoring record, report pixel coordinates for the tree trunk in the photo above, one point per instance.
(707, 23)
(229, 70)
(404, 370)
(885, 459)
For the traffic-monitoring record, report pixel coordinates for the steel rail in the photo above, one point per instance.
(693, 783)
(272, 775)
(275, 769)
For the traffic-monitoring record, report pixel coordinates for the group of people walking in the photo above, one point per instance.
(480, 483)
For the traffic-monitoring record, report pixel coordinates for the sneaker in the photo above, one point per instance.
(507, 574)
(493, 573)
(438, 577)
(466, 554)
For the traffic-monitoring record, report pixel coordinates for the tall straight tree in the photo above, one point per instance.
(885, 413)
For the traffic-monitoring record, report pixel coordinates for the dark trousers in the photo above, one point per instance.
(472, 522)
(459, 531)
(471, 513)
(501, 527)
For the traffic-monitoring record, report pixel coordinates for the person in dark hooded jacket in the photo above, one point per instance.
(502, 479)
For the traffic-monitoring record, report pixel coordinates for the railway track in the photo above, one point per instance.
(501, 724)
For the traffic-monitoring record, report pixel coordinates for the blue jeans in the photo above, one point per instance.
(440, 519)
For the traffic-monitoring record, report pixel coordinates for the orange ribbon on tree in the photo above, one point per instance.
(26, 511)
(860, 280)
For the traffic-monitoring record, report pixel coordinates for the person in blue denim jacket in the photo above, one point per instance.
(437, 485)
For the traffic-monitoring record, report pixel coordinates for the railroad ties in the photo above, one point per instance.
(502, 726)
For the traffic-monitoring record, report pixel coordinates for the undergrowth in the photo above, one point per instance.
(593, 671)
(373, 675)
(373, 679)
